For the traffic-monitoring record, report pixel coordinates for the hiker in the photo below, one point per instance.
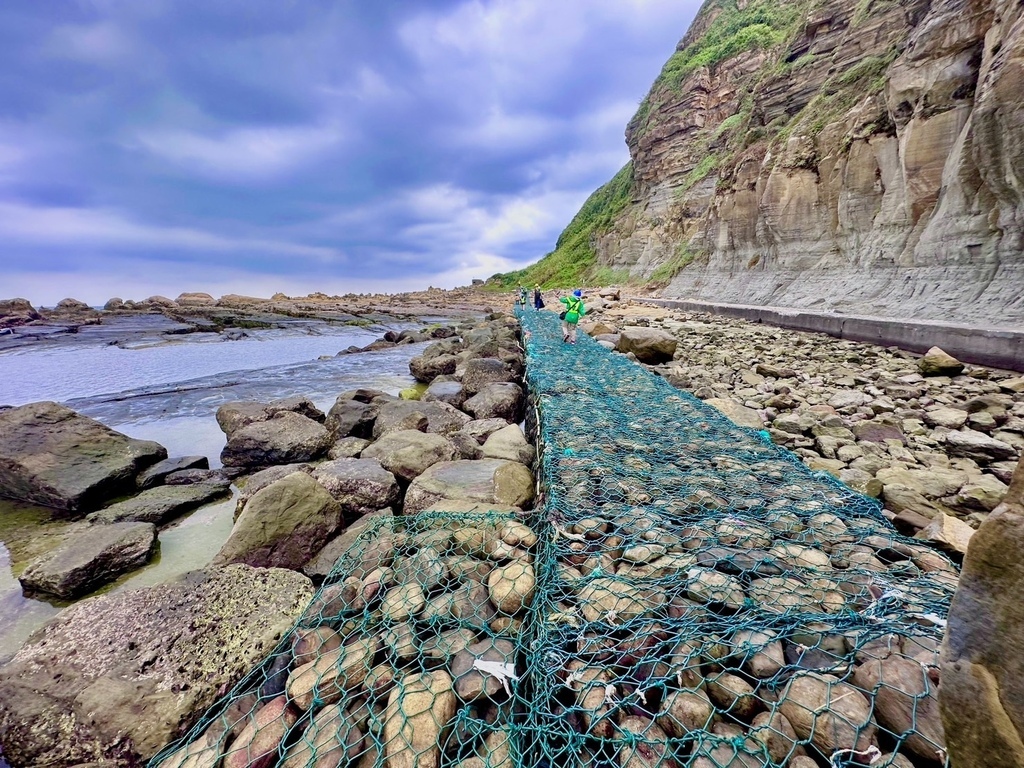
(574, 310)
(522, 296)
(538, 302)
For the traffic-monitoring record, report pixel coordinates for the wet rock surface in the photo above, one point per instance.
(54, 457)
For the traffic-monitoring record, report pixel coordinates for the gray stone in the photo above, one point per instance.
(503, 401)
(435, 417)
(450, 392)
(351, 417)
(125, 673)
(52, 456)
(509, 443)
(481, 371)
(90, 556)
(285, 438)
(157, 473)
(849, 398)
(948, 534)
(481, 429)
(348, 448)
(951, 418)
(235, 415)
(408, 453)
(937, 363)
(283, 525)
(489, 481)
(978, 446)
(360, 485)
(650, 345)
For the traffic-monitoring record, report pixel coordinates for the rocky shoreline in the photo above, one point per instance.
(936, 441)
(326, 498)
(310, 479)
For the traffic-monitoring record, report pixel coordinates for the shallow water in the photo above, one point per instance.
(154, 393)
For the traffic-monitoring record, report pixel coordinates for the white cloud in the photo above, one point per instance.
(100, 43)
(27, 225)
(244, 153)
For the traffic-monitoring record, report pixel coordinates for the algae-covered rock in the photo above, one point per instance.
(121, 675)
(283, 525)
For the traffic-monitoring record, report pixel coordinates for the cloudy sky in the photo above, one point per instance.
(254, 146)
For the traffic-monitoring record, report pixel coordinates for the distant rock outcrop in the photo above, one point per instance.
(16, 312)
(195, 300)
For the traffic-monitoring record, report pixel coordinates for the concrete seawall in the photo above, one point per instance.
(995, 347)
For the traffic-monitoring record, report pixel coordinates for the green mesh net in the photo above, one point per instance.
(686, 594)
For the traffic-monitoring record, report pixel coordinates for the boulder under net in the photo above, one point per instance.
(410, 655)
(685, 594)
(705, 599)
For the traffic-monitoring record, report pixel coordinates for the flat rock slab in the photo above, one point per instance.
(160, 504)
(158, 473)
(52, 456)
(118, 677)
(90, 556)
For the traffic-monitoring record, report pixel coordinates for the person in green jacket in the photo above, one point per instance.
(574, 310)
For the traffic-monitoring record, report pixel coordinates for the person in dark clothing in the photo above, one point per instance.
(538, 301)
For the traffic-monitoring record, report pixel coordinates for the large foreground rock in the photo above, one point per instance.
(119, 676)
(982, 693)
(650, 345)
(489, 481)
(52, 456)
(285, 438)
(89, 557)
(282, 525)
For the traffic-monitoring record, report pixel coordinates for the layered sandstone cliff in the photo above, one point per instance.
(854, 155)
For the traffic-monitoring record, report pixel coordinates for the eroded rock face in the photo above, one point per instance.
(982, 693)
(52, 456)
(117, 677)
(829, 197)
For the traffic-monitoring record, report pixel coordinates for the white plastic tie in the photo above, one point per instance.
(872, 753)
(501, 670)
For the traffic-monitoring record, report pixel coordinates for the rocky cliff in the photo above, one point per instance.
(856, 155)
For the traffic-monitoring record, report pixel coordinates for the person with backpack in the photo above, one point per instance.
(574, 310)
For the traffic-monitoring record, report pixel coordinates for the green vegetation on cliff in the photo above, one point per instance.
(572, 261)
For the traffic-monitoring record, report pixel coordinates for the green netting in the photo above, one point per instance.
(686, 594)
(707, 600)
(410, 654)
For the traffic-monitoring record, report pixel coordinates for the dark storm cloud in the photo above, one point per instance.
(259, 145)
